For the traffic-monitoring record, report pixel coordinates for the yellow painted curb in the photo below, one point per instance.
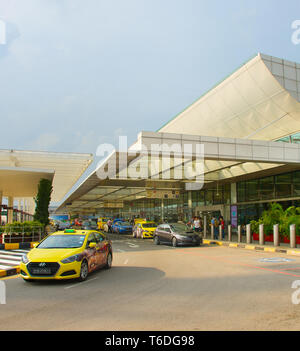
(293, 253)
(2, 273)
(270, 249)
(233, 245)
(11, 246)
(250, 247)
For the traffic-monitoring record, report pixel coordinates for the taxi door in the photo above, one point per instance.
(101, 249)
(91, 252)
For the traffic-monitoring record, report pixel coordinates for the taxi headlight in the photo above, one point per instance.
(71, 259)
(24, 259)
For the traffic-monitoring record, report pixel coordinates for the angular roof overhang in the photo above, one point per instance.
(20, 171)
(141, 169)
(261, 100)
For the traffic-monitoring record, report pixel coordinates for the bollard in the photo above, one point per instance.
(248, 233)
(229, 232)
(205, 227)
(261, 235)
(220, 233)
(293, 236)
(212, 232)
(276, 235)
(239, 234)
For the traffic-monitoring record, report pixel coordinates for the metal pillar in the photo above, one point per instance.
(229, 233)
(276, 235)
(293, 236)
(261, 235)
(248, 233)
(239, 233)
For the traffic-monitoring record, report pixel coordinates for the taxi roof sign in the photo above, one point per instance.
(70, 231)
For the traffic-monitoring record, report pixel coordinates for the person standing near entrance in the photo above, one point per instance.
(196, 224)
(222, 223)
(215, 224)
(109, 224)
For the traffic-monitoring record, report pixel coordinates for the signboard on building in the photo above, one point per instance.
(234, 216)
(163, 194)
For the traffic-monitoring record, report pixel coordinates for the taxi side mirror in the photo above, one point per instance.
(35, 245)
(92, 245)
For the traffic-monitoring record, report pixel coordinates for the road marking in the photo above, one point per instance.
(119, 250)
(126, 261)
(237, 263)
(73, 286)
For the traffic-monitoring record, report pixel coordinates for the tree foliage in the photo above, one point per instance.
(42, 201)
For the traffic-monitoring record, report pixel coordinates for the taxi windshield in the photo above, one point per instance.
(62, 242)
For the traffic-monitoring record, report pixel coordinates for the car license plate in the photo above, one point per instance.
(41, 271)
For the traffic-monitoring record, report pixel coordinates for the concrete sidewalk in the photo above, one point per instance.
(284, 248)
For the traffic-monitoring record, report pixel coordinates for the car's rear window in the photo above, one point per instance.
(149, 225)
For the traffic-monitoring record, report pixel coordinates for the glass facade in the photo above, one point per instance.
(253, 197)
(275, 187)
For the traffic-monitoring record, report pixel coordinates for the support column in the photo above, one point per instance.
(19, 214)
(190, 204)
(205, 226)
(162, 210)
(10, 212)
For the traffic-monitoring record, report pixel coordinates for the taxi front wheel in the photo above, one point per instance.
(108, 261)
(84, 271)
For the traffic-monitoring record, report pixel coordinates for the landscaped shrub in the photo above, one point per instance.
(276, 215)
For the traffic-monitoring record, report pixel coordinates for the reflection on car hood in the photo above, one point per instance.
(51, 255)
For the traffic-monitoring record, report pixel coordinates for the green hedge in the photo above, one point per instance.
(276, 215)
(28, 227)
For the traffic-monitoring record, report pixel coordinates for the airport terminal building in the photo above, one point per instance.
(249, 127)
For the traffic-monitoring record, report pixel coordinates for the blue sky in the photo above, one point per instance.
(75, 74)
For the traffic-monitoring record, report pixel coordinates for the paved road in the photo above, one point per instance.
(162, 288)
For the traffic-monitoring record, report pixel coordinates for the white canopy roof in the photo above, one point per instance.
(261, 100)
(20, 171)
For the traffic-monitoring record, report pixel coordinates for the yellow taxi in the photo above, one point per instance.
(67, 254)
(139, 220)
(101, 222)
(144, 230)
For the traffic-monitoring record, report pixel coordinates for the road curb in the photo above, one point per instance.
(13, 246)
(254, 247)
(17, 246)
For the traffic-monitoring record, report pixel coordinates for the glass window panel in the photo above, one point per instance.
(266, 188)
(296, 183)
(209, 197)
(218, 196)
(283, 185)
(241, 191)
(251, 190)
